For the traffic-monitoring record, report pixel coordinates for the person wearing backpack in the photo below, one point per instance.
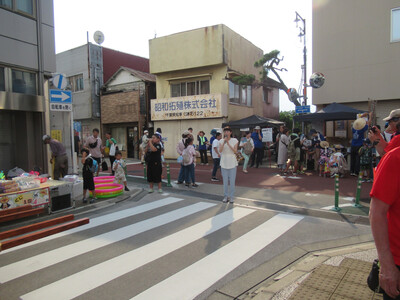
(246, 146)
(179, 149)
(88, 168)
(95, 147)
(188, 155)
(293, 153)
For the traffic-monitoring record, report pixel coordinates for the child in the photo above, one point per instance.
(189, 155)
(365, 153)
(325, 154)
(119, 167)
(87, 174)
(337, 162)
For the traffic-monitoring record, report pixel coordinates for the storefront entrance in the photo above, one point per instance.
(132, 138)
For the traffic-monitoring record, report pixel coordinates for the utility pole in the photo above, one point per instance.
(302, 34)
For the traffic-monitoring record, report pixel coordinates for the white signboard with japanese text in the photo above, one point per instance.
(267, 134)
(189, 107)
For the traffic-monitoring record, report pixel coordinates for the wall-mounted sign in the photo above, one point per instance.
(189, 107)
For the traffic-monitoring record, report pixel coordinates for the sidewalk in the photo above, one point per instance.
(339, 273)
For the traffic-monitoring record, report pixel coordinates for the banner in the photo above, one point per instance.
(35, 197)
(189, 107)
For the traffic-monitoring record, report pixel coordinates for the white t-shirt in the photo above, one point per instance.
(228, 157)
(215, 144)
(388, 136)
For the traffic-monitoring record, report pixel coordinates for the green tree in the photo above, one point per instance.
(287, 117)
(268, 63)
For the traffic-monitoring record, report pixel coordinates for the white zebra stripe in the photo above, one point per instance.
(93, 277)
(49, 258)
(103, 220)
(195, 279)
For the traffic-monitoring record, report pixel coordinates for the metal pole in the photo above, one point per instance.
(305, 64)
(168, 177)
(336, 208)
(358, 192)
(144, 170)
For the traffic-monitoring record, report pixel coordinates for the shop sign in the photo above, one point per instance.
(189, 107)
(34, 197)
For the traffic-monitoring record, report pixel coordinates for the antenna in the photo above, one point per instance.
(98, 37)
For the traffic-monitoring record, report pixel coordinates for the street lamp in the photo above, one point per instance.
(302, 34)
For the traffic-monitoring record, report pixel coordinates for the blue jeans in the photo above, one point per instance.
(229, 178)
(181, 176)
(246, 160)
(189, 174)
(216, 167)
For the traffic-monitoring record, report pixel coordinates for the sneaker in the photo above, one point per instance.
(187, 184)
(214, 179)
(151, 191)
(225, 199)
(92, 200)
(245, 171)
(179, 182)
(160, 191)
(126, 189)
(284, 173)
(353, 174)
(231, 200)
(194, 185)
(84, 200)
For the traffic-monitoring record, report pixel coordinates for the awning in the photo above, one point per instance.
(252, 121)
(332, 112)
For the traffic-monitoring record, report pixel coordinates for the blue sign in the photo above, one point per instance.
(303, 109)
(58, 96)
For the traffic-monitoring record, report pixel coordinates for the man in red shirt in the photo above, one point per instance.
(385, 222)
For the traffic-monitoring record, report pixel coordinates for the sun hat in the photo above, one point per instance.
(393, 114)
(186, 132)
(359, 124)
(146, 131)
(257, 127)
(324, 144)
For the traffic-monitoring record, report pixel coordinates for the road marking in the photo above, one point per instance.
(93, 277)
(104, 220)
(332, 206)
(192, 281)
(49, 258)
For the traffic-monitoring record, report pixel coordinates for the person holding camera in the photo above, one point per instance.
(228, 147)
(153, 162)
(258, 152)
(360, 126)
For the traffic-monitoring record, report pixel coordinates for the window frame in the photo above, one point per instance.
(391, 24)
(14, 9)
(73, 84)
(183, 88)
(24, 71)
(3, 71)
(238, 91)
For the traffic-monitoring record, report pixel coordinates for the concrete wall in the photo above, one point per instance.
(352, 48)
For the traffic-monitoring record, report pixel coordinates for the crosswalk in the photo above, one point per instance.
(119, 252)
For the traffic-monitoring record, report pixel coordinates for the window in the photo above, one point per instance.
(190, 88)
(24, 82)
(395, 30)
(240, 95)
(23, 6)
(76, 82)
(2, 80)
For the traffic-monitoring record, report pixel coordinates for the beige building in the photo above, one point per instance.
(356, 45)
(193, 69)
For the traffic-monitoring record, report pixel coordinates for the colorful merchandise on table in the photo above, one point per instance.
(9, 186)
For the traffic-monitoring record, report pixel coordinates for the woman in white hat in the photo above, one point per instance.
(360, 126)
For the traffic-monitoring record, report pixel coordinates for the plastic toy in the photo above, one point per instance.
(103, 179)
(108, 190)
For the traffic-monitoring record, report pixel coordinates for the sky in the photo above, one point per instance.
(129, 24)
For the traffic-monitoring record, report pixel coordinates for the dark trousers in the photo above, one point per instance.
(355, 160)
(189, 174)
(203, 156)
(181, 176)
(112, 159)
(216, 167)
(257, 157)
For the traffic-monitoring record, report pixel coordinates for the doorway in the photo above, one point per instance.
(132, 139)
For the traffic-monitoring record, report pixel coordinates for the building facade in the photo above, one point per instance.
(356, 45)
(125, 103)
(194, 88)
(27, 59)
(87, 67)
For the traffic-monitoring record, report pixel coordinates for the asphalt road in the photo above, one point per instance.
(164, 246)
